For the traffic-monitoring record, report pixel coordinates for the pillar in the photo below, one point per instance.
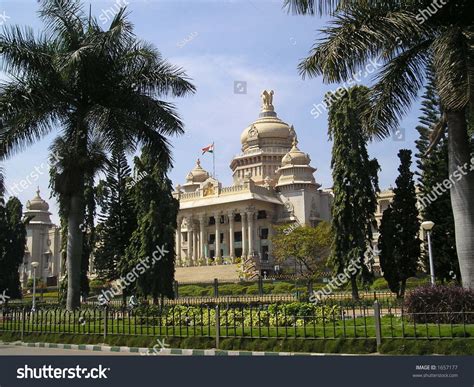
(202, 222)
(178, 241)
(251, 232)
(244, 239)
(194, 255)
(231, 236)
(218, 255)
(190, 245)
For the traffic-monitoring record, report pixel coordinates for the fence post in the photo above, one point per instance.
(218, 326)
(105, 320)
(216, 287)
(260, 285)
(378, 323)
(176, 289)
(23, 322)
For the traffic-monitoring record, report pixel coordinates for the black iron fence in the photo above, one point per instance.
(365, 297)
(298, 321)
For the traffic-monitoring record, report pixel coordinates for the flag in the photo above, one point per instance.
(209, 148)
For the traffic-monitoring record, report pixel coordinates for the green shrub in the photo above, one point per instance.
(195, 291)
(379, 284)
(414, 282)
(252, 289)
(440, 304)
(96, 286)
(231, 290)
(283, 288)
(268, 288)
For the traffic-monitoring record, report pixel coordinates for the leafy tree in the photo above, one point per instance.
(117, 220)
(309, 246)
(85, 81)
(12, 246)
(355, 185)
(156, 226)
(400, 227)
(433, 170)
(406, 41)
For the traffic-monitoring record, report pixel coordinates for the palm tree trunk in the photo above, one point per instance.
(462, 193)
(74, 250)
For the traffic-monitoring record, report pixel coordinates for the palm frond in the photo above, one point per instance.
(437, 133)
(325, 7)
(397, 85)
(23, 52)
(453, 62)
(65, 19)
(27, 114)
(150, 74)
(355, 36)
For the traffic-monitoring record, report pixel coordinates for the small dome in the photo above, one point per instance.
(37, 203)
(295, 156)
(197, 174)
(38, 210)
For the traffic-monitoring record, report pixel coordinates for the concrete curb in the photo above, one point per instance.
(166, 351)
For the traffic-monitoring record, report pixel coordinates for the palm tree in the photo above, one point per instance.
(407, 36)
(65, 168)
(86, 82)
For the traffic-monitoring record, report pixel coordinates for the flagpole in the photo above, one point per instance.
(213, 160)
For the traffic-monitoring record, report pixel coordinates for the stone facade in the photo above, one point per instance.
(43, 244)
(273, 183)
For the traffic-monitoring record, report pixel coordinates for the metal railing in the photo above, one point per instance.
(325, 321)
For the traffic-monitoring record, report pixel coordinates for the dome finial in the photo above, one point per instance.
(38, 191)
(295, 142)
(198, 162)
(267, 100)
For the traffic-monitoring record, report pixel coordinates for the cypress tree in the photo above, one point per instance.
(12, 246)
(117, 219)
(399, 241)
(156, 226)
(433, 170)
(355, 185)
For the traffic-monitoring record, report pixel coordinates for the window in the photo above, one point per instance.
(237, 218)
(222, 219)
(238, 236)
(265, 253)
(212, 220)
(384, 205)
(212, 239)
(222, 238)
(264, 233)
(238, 252)
(262, 215)
(185, 237)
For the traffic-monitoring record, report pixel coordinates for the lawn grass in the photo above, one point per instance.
(457, 346)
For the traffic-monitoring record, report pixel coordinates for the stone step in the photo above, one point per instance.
(224, 273)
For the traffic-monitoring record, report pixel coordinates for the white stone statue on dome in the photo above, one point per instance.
(267, 99)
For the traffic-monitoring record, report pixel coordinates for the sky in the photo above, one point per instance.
(231, 50)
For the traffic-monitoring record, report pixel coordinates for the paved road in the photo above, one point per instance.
(12, 350)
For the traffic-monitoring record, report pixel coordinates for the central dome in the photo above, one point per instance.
(267, 127)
